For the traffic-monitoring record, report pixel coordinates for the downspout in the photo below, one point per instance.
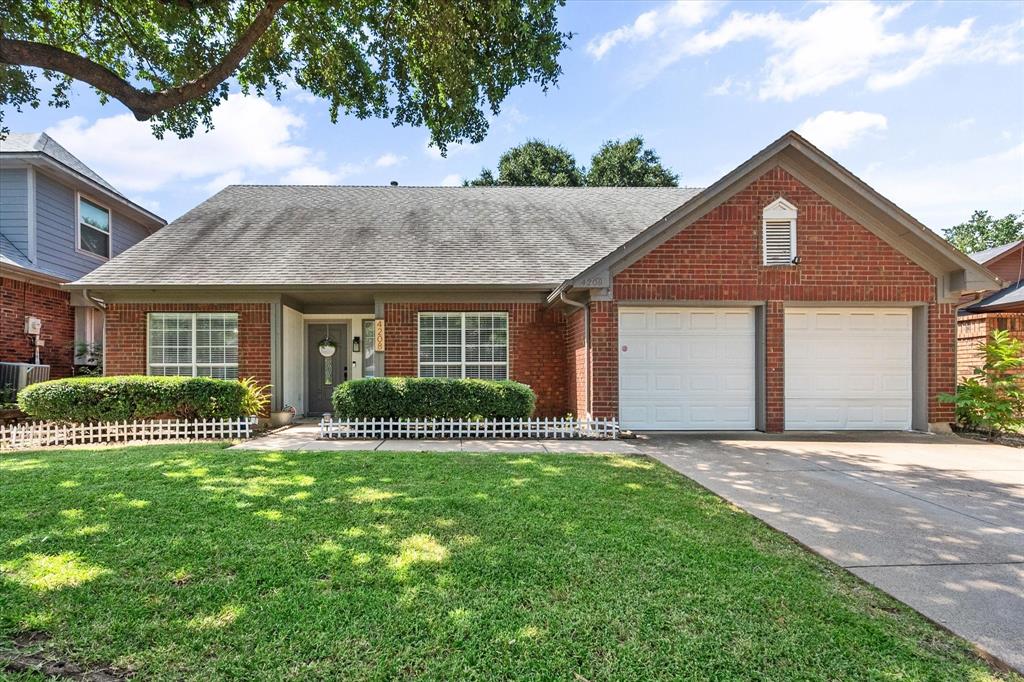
(586, 348)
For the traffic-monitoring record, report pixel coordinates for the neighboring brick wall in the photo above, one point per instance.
(1008, 267)
(19, 299)
(125, 336)
(718, 258)
(604, 353)
(537, 355)
(576, 363)
(974, 330)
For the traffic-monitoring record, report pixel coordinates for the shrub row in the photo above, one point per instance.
(421, 398)
(89, 399)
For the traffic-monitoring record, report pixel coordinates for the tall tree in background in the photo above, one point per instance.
(541, 164)
(983, 231)
(628, 164)
(533, 164)
(443, 64)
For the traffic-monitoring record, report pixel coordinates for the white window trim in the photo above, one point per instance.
(779, 210)
(507, 364)
(195, 365)
(78, 227)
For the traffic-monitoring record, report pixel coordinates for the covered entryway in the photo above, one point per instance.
(848, 368)
(687, 368)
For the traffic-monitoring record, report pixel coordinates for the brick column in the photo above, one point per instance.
(775, 366)
(941, 360)
(604, 353)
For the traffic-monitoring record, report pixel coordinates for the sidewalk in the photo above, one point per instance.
(302, 437)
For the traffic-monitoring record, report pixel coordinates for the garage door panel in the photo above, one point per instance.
(699, 365)
(848, 368)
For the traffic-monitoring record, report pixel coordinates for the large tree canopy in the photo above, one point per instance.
(444, 64)
(616, 164)
(983, 231)
(534, 164)
(628, 164)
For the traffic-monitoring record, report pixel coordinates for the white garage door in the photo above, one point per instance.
(848, 368)
(686, 368)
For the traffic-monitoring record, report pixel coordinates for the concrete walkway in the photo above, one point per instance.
(935, 521)
(303, 437)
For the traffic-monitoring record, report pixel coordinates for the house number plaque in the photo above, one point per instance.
(378, 336)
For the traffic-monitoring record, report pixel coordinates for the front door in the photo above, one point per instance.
(323, 369)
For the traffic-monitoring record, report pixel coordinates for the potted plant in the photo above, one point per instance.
(282, 417)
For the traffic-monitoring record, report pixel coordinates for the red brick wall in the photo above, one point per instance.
(719, 258)
(537, 355)
(125, 346)
(53, 306)
(576, 363)
(1008, 267)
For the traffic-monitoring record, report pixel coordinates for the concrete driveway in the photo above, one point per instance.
(935, 521)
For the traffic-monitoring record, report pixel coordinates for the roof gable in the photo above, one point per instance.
(954, 271)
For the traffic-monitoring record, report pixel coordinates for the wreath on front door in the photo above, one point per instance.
(327, 349)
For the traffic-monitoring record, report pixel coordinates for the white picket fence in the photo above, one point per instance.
(561, 427)
(45, 434)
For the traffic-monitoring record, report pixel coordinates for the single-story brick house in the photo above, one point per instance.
(1003, 309)
(787, 295)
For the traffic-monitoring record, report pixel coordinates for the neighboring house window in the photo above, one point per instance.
(464, 345)
(88, 335)
(193, 344)
(779, 232)
(93, 228)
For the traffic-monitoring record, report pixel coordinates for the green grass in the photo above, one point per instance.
(194, 562)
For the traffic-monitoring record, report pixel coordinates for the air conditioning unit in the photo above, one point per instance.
(18, 375)
(33, 325)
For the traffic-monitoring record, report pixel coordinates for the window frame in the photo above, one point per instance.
(79, 197)
(194, 346)
(507, 363)
(779, 211)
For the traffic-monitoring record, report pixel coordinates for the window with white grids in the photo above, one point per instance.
(463, 345)
(193, 345)
(779, 232)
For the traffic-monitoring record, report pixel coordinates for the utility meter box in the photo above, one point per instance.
(33, 325)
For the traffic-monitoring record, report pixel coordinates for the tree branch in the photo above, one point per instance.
(144, 104)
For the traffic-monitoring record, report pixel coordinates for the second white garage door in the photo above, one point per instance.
(686, 368)
(848, 368)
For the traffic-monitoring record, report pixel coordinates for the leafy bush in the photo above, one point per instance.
(416, 398)
(88, 399)
(993, 399)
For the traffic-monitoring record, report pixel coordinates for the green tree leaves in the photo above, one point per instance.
(983, 231)
(443, 64)
(616, 164)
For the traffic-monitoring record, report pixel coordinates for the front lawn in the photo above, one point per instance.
(201, 563)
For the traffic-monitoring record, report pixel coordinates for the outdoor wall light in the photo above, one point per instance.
(355, 344)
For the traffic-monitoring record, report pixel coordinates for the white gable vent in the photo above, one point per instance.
(779, 230)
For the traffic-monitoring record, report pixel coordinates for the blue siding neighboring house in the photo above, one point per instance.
(59, 220)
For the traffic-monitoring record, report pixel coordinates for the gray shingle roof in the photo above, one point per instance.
(1012, 295)
(250, 235)
(990, 254)
(41, 142)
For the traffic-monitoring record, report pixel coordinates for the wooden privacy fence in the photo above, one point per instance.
(562, 427)
(44, 434)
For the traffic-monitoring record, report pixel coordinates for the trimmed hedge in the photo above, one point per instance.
(424, 398)
(92, 399)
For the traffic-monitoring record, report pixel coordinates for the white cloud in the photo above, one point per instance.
(251, 136)
(680, 14)
(838, 43)
(730, 86)
(941, 195)
(836, 130)
(315, 175)
(388, 160)
(232, 177)
(453, 180)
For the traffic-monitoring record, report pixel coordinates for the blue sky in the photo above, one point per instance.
(924, 100)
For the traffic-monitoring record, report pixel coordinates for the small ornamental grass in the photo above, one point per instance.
(425, 398)
(105, 399)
